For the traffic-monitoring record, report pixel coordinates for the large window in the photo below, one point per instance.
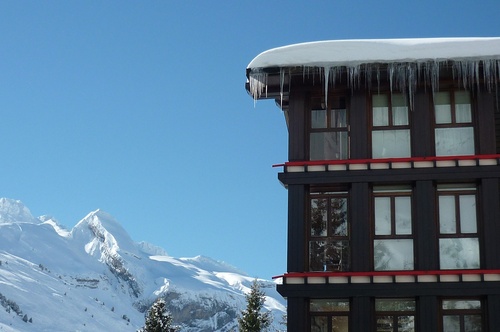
(391, 126)
(329, 315)
(458, 227)
(393, 230)
(395, 315)
(461, 315)
(328, 232)
(329, 139)
(454, 131)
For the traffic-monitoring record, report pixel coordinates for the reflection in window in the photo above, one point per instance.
(458, 242)
(328, 138)
(454, 133)
(461, 315)
(329, 315)
(393, 242)
(391, 126)
(395, 315)
(329, 232)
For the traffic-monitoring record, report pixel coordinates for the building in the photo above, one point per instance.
(393, 182)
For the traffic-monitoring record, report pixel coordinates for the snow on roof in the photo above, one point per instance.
(354, 52)
(408, 62)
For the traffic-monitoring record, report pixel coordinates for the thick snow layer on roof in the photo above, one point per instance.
(406, 62)
(354, 52)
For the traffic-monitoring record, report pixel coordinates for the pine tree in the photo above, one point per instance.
(158, 318)
(253, 319)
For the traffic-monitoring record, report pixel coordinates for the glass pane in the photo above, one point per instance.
(382, 216)
(461, 304)
(447, 218)
(394, 305)
(403, 215)
(318, 217)
(329, 255)
(328, 146)
(318, 119)
(406, 323)
(454, 141)
(459, 253)
(393, 254)
(462, 107)
(451, 323)
(329, 305)
(339, 118)
(399, 110)
(380, 110)
(340, 324)
(472, 323)
(385, 324)
(319, 324)
(391, 143)
(442, 107)
(338, 217)
(468, 222)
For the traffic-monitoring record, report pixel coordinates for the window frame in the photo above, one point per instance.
(341, 265)
(392, 193)
(330, 314)
(455, 191)
(337, 102)
(454, 124)
(462, 313)
(390, 126)
(395, 313)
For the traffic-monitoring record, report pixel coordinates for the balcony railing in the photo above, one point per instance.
(389, 163)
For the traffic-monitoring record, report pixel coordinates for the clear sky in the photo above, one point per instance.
(139, 108)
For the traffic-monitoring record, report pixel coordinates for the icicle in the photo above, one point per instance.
(326, 73)
(282, 84)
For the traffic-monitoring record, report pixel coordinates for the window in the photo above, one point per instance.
(329, 315)
(329, 138)
(391, 126)
(329, 232)
(458, 239)
(393, 230)
(461, 315)
(454, 131)
(395, 315)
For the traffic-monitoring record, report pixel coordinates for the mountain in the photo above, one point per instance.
(94, 277)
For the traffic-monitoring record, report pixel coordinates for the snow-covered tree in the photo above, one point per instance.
(253, 318)
(158, 318)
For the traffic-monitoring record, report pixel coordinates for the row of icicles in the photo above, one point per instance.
(403, 77)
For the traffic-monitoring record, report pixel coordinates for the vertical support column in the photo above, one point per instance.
(489, 197)
(297, 312)
(361, 318)
(296, 262)
(492, 309)
(486, 120)
(427, 314)
(358, 118)
(422, 141)
(359, 202)
(297, 129)
(426, 232)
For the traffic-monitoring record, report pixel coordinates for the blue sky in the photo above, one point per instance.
(139, 108)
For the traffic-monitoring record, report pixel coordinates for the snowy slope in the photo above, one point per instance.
(94, 277)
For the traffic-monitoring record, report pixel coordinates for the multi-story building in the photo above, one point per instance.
(393, 182)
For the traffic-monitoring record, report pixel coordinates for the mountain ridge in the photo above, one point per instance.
(95, 277)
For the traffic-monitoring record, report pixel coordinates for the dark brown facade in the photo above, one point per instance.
(393, 201)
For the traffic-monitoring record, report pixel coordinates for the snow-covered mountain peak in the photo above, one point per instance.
(12, 211)
(96, 278)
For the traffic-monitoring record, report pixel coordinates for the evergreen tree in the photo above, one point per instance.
(253, 319)
(158, 318)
